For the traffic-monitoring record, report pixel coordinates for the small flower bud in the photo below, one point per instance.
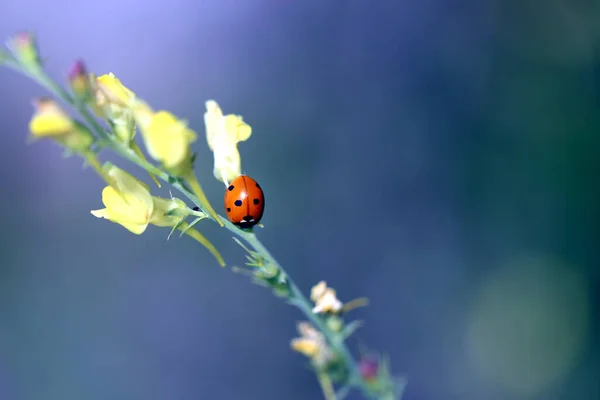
(335, 324)
(112, 95)
(51, 121)
(25, 49)
(368, 368)
(80, 81)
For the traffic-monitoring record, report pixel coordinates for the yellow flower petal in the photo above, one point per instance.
(134, 228)
(167, 139)
(212, 119)
(112, 90)
(308, 347)
(128, 202)
(236, 128)
(318, 290)
(125, 207)
(223, 133)
(227, 163)
(49, 119)
(129, 184)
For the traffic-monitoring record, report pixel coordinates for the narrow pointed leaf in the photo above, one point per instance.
(177, 225)
(239, 242)
(194, 222)
(351, 328)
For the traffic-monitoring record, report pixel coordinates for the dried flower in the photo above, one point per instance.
(325, 299)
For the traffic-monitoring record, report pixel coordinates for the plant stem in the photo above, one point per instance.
(199, 192)
(326, 386)
(297, 299)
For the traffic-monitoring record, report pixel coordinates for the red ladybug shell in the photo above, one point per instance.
(244, 202)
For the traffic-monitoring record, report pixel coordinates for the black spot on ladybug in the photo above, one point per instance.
(228, 209)
(230, 188)
(196, 208)
(238, 203)
(256, 202)
(258, 186)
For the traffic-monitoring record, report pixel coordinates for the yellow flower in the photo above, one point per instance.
(114, 102)
(308, 347)
(312, 344)
(223, 133)
(50, 120)
(128, 202)
(167, 139)
(110, 90)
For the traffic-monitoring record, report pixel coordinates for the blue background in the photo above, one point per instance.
(440, 158)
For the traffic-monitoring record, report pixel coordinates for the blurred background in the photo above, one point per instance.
(440, 158)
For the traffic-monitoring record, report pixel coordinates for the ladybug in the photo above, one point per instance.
(244, 202)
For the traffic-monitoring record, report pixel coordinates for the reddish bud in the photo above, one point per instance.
(79, 80)
(368, 368)
(24, 47)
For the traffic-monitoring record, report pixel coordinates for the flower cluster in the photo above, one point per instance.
(166, 138)
(113, 117)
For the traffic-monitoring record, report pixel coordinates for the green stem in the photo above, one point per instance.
(326, 386)
(297, 297)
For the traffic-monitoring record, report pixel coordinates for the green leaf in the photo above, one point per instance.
(239, 242)
(351, 328)
(194, 222)
(177, 225)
